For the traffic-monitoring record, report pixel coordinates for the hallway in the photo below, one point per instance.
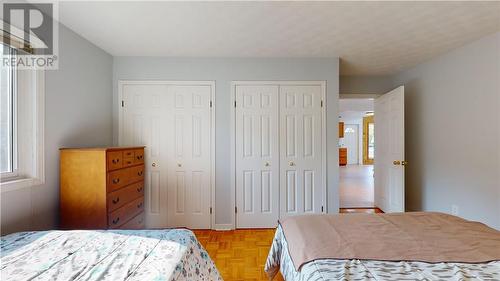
(356, 186)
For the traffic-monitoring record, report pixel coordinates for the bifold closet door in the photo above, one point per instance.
(189, 142)
(144, 116)
(174, 123)
(301, 178)
(257, 156)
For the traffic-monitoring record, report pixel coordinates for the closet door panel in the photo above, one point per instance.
(257, 157)
(190, 160)
(301, 150)
(144, 112)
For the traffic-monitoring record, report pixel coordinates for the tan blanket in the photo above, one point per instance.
(419, 236)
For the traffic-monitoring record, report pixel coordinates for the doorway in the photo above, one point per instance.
(356, 184)
(379, 181)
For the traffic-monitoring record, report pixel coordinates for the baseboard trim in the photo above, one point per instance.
(223, 227)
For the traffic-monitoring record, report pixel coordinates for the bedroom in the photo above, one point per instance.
(110, 54)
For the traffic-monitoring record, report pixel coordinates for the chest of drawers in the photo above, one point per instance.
(102, 188)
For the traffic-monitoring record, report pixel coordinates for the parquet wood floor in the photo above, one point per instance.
(241, 254)
(238, 254)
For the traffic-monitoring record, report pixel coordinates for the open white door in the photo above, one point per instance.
(390, 151)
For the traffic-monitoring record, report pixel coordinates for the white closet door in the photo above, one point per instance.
(257, 157)
(174, 123)
(301, 177)
(144, 123)
(189, 168)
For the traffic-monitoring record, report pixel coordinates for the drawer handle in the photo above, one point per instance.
(115, 221)
(116, 200)
(139, 205)
(129, 162)
(115, 181)
(139, 173)
(139, 189)
(129, 153)
(115, 161)
(139, 157)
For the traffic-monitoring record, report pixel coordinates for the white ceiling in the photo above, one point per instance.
(371, 38)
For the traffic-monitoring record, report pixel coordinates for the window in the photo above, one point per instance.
(368, 140)
(8, 120)
(21, 124)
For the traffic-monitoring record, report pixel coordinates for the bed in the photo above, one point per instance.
(171, 254)
(353, 268)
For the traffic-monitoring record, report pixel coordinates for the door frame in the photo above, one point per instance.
(210, 83)
(235, 83)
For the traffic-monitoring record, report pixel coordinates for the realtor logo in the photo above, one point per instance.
(32, 30)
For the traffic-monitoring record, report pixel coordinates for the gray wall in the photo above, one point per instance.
(78, 103)
(223, 71)
(453, 132)
(365, 84)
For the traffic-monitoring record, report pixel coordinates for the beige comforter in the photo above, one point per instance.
(419, 236)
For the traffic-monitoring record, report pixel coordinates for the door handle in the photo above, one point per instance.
(179, 165)
(291, 163)
(404, 163)
(396, 162)
(154, 164)
(267, 164)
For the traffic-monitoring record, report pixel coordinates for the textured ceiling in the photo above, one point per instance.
(371, 38)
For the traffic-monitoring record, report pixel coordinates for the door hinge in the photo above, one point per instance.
(210, 103)
(321, 103)
(234, 103)
(123, 103)
(210, 210)
(322, 209)
(235, 209)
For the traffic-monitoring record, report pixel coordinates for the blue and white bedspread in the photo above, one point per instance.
(172, 254)
(333, 269)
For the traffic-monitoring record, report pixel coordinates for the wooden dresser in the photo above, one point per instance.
(343, 156)
(102, 188)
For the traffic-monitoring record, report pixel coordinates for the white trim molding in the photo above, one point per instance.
(30, 132)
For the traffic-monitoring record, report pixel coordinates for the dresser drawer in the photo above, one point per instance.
(128, 154)
(139, 156)
(136, 174)
(124, 195)
(125, 213)
(123, 177)
(136, 222)
(115, 160)
(127, 162)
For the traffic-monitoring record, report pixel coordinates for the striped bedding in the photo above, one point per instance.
(171, 254)
(332, 269)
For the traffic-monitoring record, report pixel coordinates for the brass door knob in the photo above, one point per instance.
(404, 163)
(396, 162)
(153, 164)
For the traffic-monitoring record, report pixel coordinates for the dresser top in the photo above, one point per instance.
(109, 148)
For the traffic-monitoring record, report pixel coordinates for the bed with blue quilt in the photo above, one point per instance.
(170, 254)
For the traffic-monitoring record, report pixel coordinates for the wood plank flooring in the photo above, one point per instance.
(241, 254)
